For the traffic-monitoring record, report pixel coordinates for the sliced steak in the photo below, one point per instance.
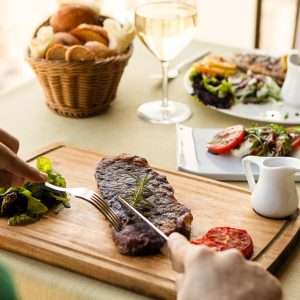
(117, 176)
(274, 67)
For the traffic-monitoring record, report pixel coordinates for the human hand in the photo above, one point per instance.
(14, 171)
(206, 274)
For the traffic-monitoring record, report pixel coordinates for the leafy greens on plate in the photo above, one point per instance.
(27, 204)
(268, 140)
(219, 82)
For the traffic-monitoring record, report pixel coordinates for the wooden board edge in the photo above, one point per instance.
(74, 261)
(58, 145)
(44, 151)
(283, 256)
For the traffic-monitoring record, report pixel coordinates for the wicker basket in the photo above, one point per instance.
(80, 89)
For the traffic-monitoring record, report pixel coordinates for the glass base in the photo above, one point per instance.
(155, 113)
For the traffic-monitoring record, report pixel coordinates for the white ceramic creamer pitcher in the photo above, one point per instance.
(275, 194)
(291, 88)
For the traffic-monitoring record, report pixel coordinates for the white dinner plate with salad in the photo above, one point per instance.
(193, 155)
(256, 96)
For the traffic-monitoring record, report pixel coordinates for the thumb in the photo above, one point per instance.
(178, 249)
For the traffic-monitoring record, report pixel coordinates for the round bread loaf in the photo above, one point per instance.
(79, 53)
(99, 49)
(87, 33)
(69, 17)
(56, 52)
(65, 38)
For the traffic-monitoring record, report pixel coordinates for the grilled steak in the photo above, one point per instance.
(274, 67)
(117, 176)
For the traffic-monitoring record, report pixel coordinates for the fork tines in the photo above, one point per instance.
(103, 207)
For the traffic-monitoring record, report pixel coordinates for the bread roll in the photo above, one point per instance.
(99, 50)
(56, 52)
(43, 40)
(79, 53)
(120, 37)
(87, 33)
(65, 38)
(69, 17)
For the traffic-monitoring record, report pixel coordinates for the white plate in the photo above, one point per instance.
(273, 112)
(193, 157)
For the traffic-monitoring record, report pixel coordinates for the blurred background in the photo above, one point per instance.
(268, 24)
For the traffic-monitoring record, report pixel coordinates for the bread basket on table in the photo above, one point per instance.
(80, 89)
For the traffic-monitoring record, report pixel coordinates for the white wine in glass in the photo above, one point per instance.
(166, 28)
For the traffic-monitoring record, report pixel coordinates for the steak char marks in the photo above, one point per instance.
(115, 177)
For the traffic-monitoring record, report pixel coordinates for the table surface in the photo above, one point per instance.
(24, 113)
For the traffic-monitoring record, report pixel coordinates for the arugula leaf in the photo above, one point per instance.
(278, 129)
(270, 140)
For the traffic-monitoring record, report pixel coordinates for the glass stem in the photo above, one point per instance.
(165, 91)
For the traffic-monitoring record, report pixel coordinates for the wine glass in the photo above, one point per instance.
(165, 28)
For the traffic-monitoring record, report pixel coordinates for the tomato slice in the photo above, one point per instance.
(224, 238)
(296, 143)
(226, 140)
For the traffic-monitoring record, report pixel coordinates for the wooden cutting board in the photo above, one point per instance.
(79, 239)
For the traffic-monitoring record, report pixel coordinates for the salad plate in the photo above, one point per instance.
(272, 112)
(268, 109)
(193, 157)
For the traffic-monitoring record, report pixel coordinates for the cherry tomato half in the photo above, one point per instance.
(296, 143)
(226, 140)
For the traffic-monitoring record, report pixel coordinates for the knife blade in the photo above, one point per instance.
(137, 213)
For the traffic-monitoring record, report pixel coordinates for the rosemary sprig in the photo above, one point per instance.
(137, 197)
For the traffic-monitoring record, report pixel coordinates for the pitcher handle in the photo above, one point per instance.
(247, 161)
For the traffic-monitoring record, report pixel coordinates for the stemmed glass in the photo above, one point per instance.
(165, 28)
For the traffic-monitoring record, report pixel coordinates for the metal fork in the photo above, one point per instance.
(94, 199)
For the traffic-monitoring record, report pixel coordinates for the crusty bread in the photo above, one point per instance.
(79, 53)
(99, 49)
(69, 17)
(65, 38)
(120, 36)
(43, 40)
(56, 52)
(87, 33)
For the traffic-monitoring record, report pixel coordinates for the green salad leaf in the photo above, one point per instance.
(44, 164)
(269, 140)
(34, 206)
(61, 198)
(219, 88)
(255, 88)
(27, 204)
(22, 219)
(193, 73)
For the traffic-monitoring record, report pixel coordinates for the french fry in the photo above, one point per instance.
(216, 65)
(213, 71)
